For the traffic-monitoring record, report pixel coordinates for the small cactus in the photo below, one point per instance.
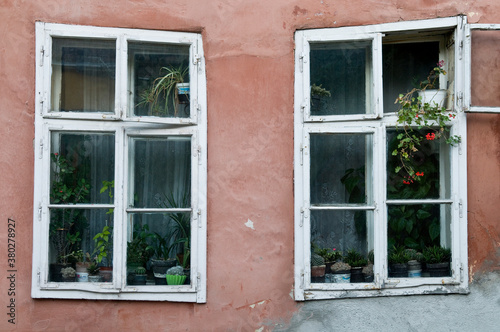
(140, 270)
(317, 260)
(176, 271)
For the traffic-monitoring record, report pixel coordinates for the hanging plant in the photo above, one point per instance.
(417, 113)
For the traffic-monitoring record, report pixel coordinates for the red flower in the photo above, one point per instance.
(430, 136)
(420, 173)
(406, 182)
(56, 154)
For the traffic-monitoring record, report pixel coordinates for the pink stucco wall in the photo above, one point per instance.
(249, 63)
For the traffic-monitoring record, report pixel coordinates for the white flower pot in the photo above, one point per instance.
(433, 97)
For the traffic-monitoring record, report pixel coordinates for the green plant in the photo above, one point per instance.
(162, 91)
(140, 270)
(93, 269)
(175, 271)
(355, 259)
(436, 254)
(414, 113)
(317, 90)
(68, 272)
(329, 255)
(398, 255)
(317, 260)
(138, 250)
(103, 244)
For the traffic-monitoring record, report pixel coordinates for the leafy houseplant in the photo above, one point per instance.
(357, 262)
(175, 275)
(318, 94)
(398, 259)
(166, 91)
(414, 111)
(437, 261)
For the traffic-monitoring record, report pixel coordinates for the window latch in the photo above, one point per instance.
(42, 54)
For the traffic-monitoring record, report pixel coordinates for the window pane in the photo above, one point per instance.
(73, 247)
(82, 165)
(83, 75)
(405, 66)
(338, 164)
(341, 81)
(431, 164)
(161, 172)
(159, 241)
(415, 232)
(485, 63)
(159, 79)
(344, 232)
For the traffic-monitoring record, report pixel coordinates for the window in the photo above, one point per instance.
(356, 201)
(120, 165)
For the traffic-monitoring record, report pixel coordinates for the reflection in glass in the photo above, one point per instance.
(159, 79)
(161, 172)
(83, 75)
(405, 66)
(341, 81)
(338, 168)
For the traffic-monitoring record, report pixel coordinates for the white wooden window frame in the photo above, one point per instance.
(123, 125)
(468, 107)
(377, 125)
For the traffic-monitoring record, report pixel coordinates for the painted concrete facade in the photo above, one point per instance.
(249, 51)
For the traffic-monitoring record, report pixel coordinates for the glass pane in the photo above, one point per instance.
(341, 81)
(431, 164)
(161, 172)
(82, 168)
(416, 233)
(159, 79)
(81, 245)
(405, 66)
(485, 67)
(338, 164)
(159, 242)
(339, 238)
(83, 75)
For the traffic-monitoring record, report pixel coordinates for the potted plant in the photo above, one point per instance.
(421, 112)
(398, 259)
(175, 276)
(317, 268)
(162, 248)
(437, 261)
(139, 277)
(329, 255)
(93, 271)
(414, 263)
(102, 250)
(341, 272)
(318, 95)
(68, 274)
(357, 262)
(167, 90)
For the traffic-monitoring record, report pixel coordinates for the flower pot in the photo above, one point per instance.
(140, 279)
(175, 279)
(183, 93)
(95, 278)
(398, 270)
(438, 269)
(414, 269)
(433, 97)
(357, 275)
(106, 273)
(82, 266)
(160, 268)
(341, 277)
(82, 276)
(318, 273)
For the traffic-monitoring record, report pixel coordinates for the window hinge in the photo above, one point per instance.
(303, 107)
(40, 156)
(460, 209)
(302, 277)
(301, 154)
(196, 59)
(303, 60)
(42, 55)
(198, 281)
(461, 272)
(38, 276)
(40, 212)
(199, 154)
(460, 49)
(301, 217)
(199, 218)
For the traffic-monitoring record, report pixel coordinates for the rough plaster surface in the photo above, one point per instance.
(478, 311)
